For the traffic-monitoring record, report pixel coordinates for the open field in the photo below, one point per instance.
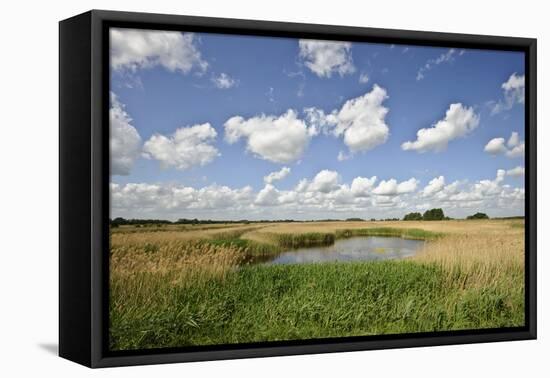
(182, 285)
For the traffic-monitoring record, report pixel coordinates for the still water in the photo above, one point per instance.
(351, 249)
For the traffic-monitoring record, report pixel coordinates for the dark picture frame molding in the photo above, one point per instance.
(84, 187)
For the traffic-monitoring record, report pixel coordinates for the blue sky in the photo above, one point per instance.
(176, 154)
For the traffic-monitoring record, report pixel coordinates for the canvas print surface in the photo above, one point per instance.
(279, 189)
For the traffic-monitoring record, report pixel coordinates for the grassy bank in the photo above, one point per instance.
(305, 301)
(405, 233)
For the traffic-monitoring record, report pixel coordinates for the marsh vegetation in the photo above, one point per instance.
(185, 285)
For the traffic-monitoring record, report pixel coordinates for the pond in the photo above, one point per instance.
(351, 249)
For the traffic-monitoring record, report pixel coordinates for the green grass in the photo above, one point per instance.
(312, 239)
(232, 234)
(308, 239)
(252, 250)
(405, 233)
(286, 302)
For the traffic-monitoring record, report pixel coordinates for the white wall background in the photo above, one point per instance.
(29, 187)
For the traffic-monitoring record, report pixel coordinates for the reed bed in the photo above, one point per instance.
(184, 262)
(478, 260)
(445, 227)
(147, 237)
(178, 288)
(309, 239)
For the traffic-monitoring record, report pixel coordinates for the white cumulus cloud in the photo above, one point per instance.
(496, 146)
(268, 196)
(125, 141)
(327, 57)
(133, 49)
(360, 121)
(187, 147)
(325, 181)
(514, 148)
(146, 200)
(362, 186)
(276, 176)
(281, 139)
(458, 122)
(514, 93)
(434, 186)
(392, 188)
(514, 88)
(516, 172)
(517, 151)
(324, 196)
(514, 141)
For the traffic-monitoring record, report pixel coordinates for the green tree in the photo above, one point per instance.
(433, 215)
(412, 217)
(118, 221)
(478, 216)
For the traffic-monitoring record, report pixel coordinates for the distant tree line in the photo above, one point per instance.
(513, 217)
(429, 215)
(119, 221)
(205, 221)
(437, 214)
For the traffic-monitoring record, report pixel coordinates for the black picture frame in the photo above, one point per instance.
(84, 191)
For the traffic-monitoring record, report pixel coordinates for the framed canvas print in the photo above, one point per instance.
(234, 188)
